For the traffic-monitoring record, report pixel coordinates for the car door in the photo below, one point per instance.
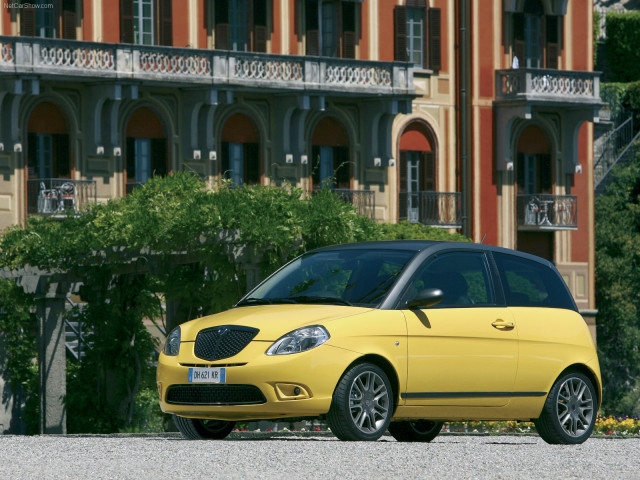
(464, 350)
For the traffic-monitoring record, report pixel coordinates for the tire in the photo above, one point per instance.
(569, 413)
(415, 430)
(362, 404)
(203, 429)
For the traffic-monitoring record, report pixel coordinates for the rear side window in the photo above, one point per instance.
(530, 284)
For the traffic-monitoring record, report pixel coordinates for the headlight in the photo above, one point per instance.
(299, 340)
(172, 347)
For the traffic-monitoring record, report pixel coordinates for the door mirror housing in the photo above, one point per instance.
(426, 298)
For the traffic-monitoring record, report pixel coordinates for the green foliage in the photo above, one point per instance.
(596, 33)
(614, 95)
(617, 287)
(623, 38)
(17, 333)
(416, 231)
(222, 229)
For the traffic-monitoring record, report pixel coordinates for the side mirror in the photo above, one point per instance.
(426, 298)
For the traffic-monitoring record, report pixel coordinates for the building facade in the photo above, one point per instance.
(465, 114)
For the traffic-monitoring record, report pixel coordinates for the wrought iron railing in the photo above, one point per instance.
(438, 209)
(547, 212)
(560, 85)
(364, 201)
(59, 196)
(33, 56)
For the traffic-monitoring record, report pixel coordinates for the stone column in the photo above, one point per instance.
(52, 365)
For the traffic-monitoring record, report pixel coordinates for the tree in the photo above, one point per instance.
(617, 290)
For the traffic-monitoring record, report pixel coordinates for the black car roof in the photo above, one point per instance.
(433, 245)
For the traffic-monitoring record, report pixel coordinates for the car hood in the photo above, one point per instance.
(273, 321)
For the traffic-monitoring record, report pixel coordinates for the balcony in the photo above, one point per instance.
(184, 66)
(59, 197)
(437, 209)
(364, 201)
(544, 86)
(547, 212)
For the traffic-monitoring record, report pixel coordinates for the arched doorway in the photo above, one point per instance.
(48, 152)
(49, 162)
(146, 148)
(534, 186)
(417, 172)
(240, 151)
(330, 163)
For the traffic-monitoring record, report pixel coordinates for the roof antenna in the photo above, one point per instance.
(482, 241)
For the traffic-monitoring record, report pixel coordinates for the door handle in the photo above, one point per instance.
(502, 325)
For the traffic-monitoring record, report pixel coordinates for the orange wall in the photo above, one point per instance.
(488, 187)
(179, 12)
(364, 32)
(87, 20)
(202, 24)
(580, 238)
(111, 22)
(581, 12)
(6, 20)
(386, 38)
(485, 37)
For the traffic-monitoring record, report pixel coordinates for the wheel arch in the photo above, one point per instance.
(386, 367)
(590, 374)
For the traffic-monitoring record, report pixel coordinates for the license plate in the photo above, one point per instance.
(207, 375)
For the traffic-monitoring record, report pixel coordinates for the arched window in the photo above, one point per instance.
(146, 151)
(240, 151)
(417, 170)
(330, 155)
(48, 153)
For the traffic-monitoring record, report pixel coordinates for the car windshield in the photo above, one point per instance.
(360, 277)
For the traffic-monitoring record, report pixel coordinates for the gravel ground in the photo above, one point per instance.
(295, 456)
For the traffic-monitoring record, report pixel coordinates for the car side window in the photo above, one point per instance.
(527, 283)
(463, 277)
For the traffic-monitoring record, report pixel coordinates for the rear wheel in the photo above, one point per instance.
(203, 429)
(415, 430)
(569, 413)
(362, 404)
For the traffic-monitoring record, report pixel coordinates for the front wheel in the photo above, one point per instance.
(415, 430)
(362, 404)
(569, 413)
(203, 429)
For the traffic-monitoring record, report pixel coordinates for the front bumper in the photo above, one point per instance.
(296, 385)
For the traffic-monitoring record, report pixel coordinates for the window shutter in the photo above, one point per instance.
(545, 173)
(435, 43)
(32, 154)
(518, 37)
(252, 163)
(222, 25)
(126, 21)
(250, 25)
(553, 41)
(520, 173)
(400, 24)
(427, 172)
(312, 27)
(342, 167)
(349, 30)
(28, 22)
(62, 160)
(404, 158)
(260, 33)
(165, 23)
(68, 25)
(159, 157)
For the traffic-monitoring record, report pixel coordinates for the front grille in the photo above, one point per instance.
(223, 342)
(214, 395)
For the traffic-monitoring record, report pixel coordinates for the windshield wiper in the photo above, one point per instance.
(314, 299)
(264, 301)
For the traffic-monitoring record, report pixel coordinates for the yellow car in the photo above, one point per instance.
(396, 335)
